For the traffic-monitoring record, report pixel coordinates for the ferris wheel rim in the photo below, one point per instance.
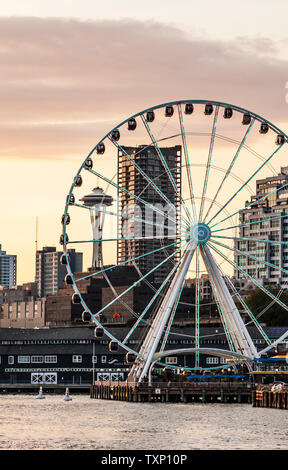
(171, 103)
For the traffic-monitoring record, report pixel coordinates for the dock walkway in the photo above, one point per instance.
(205, 392)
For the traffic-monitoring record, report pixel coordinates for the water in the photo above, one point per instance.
(27, 423)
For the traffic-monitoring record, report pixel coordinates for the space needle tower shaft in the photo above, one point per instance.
(97, 201)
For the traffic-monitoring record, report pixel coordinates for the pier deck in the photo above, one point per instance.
(173, 392)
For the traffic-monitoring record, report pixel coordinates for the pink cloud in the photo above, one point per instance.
(67, 71)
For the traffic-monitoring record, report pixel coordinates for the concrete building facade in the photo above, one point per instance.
(265, 219)
(50, 272)
(24, 314)
(8, 266)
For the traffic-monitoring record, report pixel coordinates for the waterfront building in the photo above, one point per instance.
(8, 266)
(50, 272)
(266, 219)
(67, 356)
(131, 179)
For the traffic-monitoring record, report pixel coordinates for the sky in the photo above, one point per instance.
(70, 71)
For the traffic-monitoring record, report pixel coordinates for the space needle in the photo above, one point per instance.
(96, 201)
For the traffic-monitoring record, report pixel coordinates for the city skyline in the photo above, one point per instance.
(55, 107)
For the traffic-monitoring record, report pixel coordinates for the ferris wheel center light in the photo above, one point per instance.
(199, 233)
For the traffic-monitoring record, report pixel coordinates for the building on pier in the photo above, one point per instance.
(63, 356)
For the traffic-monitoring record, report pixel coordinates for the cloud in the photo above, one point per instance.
(59, 77)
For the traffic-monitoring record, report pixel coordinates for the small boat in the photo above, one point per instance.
(67, 396)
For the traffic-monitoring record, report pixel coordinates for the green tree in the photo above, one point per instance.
(275, 315)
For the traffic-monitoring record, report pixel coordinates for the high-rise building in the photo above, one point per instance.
(8, 264)
(149, 229)
(266, 220)
(50, 272)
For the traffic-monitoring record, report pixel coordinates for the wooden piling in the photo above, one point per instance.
(180, 392)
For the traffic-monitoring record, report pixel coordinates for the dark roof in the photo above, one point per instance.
(51, 349)
(118, 332)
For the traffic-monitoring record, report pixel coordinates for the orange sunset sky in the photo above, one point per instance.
(71, 71)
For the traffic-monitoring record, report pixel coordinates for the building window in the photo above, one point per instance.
(171, 360)
(36, 359)
(94, 359)
(23, 359)
(223, 360)
(212, 360)
(76, 358)
(103, 359)
(10, 359)
(51, 359)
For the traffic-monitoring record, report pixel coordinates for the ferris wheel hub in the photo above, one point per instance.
(199, 233)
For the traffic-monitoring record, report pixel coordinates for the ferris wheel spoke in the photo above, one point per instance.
(122, 302)
(167, 169)
(245, 306)
(121, 188)
(258, 284)
(145, 176)
(187, 162)
(218, 302)
(259, 240)
(114, 239)
(245, 184)
(260, 261)
(139, 280)
(208, 165)
(155, 296)
(274, 343)
(127, 261)
(230, 167)
(251, 204)
(285, 216)
(119, 214)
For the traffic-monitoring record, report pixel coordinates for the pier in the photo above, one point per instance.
(165, 392)
(265, 398)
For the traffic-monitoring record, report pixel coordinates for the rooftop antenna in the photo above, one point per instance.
(37, 225)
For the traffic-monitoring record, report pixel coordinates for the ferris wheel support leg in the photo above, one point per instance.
(241, 339)
(140, 368)
(150, 373)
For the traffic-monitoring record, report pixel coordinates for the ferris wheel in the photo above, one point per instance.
(177, 195)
